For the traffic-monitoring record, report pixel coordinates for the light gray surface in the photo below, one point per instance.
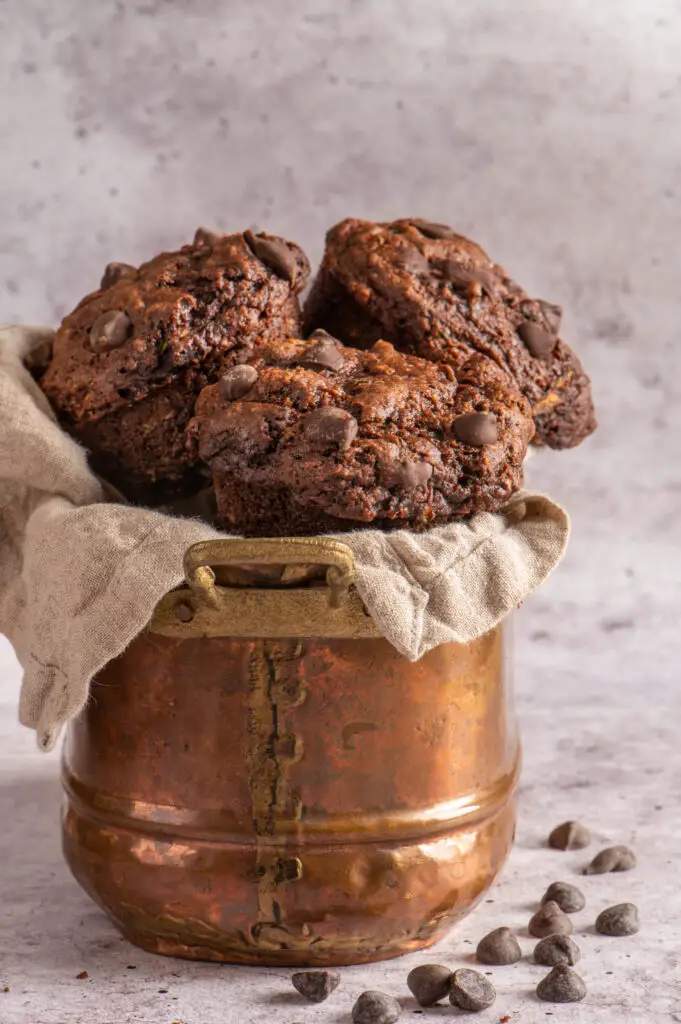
(550, 132)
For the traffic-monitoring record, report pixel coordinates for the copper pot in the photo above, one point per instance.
(261, 778)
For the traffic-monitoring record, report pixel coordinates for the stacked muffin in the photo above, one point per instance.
(404, 395)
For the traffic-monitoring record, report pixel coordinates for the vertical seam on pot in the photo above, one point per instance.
(269, 785)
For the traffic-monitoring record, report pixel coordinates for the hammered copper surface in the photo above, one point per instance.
(290, 801)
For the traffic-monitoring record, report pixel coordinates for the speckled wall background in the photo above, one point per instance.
(550, 131)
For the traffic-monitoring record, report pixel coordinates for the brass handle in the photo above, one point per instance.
(202, 557)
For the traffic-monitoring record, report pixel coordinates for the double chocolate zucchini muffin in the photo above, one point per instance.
(312, 437)
(438, 295)
(129, 362)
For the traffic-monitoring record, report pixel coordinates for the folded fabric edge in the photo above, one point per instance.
(49, 730)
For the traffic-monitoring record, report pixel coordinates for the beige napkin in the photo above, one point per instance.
(80, 576)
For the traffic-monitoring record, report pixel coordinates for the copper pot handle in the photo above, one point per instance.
(200, 560)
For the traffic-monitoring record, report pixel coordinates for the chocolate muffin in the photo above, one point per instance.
(437, 294)
(312, 437)
(130, 360)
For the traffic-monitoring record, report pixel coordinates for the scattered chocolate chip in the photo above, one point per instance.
(82, 976)
(375, 1008)
(113, 272)
(237, 382)
(569, 836)
(537, 339)
(471, 991)
(274, 254)
(499, 947)
(614, 858)
(329, 425)
(619, 920)
(316, 985)
(326, 352)
(413, 261)
(185, 613)
(204, 236)
(556, 949)
(396, 473)
(429, 229)
(568, 897)
(550, 920)
(110, 330)
(552, 315)
(475, 428)
(561, 985)
(429, 983)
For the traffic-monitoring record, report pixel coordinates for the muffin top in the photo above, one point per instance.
(180, 319)
(437, 294)
(377, 437)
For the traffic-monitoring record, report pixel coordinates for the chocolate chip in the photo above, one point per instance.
(552, 315)
(184, 611)
(471, 991)
(538, 341)
(326, 353)
(316, 985)
(429, 229)
(413, 261)
(204, 236)
(38, 359)
(570, 836)
(110, 330)
(614, 858)
(429, 983)
(569, 898)
(409, 475)
(561, 985)
(557, 949)
(329, 425)
(619, 920)
(237, 382)
(375, 1008)
(113, 272)
(475, 428)
(550, 920)
(275, 254)
(499, 947)
(457, 274)
(463, 278)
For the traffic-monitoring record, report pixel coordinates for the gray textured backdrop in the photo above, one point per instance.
(548, 130)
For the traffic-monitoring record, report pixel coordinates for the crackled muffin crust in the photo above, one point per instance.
(438, 295)
(130, 360)
(313, 437)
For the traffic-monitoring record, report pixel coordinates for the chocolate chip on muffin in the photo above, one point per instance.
(130, 360)
(436, 294)
(362, 438)
(113, 272)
